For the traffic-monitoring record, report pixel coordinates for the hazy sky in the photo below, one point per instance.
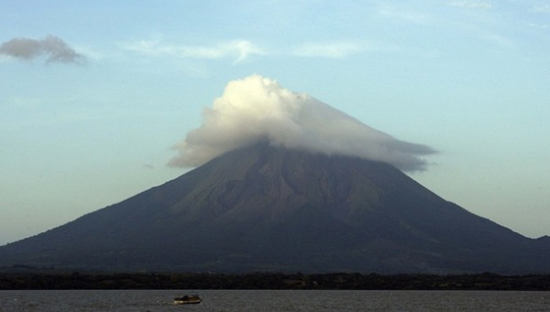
(94, 96)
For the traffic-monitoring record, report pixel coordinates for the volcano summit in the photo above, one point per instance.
(258, 109)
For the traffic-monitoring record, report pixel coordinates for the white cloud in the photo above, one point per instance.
(256, 108)
(238, 49)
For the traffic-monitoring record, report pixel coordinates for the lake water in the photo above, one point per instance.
(273, 300)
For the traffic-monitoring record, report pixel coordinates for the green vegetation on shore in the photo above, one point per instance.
(76, 280)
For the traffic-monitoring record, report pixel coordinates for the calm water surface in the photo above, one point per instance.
(273, 300)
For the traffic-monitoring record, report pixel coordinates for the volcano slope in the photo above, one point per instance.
(266, 208)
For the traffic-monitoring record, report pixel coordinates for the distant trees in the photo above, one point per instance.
(76, 280)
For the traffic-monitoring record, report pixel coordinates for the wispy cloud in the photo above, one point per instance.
(239, 49)
(496, 38)
(539, 26)
(53, 48)
(470, 4)
(545, 8)
(148, 166)
(330, 50)
(403, 14)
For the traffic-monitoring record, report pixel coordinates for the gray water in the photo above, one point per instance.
(273, 300)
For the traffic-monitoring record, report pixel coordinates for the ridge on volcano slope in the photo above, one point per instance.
(267, 208)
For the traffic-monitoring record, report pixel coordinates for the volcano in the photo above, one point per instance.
(268, 208)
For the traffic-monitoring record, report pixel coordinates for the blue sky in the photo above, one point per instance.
(467, 78)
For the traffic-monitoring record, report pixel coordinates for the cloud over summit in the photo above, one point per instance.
(258, 108)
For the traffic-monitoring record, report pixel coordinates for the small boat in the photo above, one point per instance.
(188, 299)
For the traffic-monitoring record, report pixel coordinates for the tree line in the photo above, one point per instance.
(333, 281)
